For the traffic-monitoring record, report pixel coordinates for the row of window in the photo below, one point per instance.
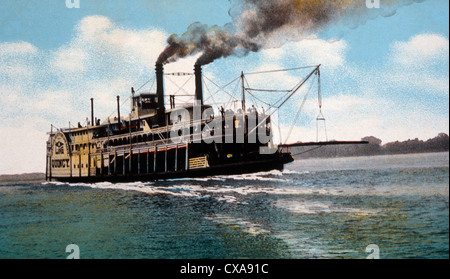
(79, 133)
(118, 142)
(135, 139)
(56, 165)
(60, 163)
(85, 166)
(79, 147)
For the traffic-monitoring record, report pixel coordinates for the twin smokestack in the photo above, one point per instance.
(159, 69)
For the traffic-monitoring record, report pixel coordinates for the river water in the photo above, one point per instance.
(315, 208)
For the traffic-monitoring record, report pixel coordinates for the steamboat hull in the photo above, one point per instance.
(226, 169)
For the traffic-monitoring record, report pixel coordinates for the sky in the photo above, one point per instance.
(385, 76)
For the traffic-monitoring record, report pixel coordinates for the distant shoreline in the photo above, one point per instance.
(440, 143)
(34, 176)
(329, 156)
(372, 155)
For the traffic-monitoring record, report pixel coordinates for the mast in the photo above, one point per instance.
(92, 112)
(118, 109)
(243, 93)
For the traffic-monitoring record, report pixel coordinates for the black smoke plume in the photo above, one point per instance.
(258, 24)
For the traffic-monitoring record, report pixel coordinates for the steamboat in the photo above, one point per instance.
(150, 143)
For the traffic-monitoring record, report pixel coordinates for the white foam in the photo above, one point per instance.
(245, 225)
(286, 171)
(227, 198)
(253, 177)
(54, 183)
(315, 207)
(141, 187)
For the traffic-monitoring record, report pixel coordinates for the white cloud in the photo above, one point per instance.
(13, 71)
(102, 60)
(69, 60)
(91, 26)
(421, 49)
(101, 47)
(311, 51)
(266, 81)
(17, 48)
(15, 60)
(417, 81)
(418, 64)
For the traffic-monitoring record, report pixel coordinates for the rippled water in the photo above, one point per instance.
(316, 208)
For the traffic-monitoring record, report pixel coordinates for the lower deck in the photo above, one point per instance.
(202, 169)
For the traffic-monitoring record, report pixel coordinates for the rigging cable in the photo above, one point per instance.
(288, 97)
(179, 87)
(211, 95)
(183, 86)
(146, 83)
(279, 127)
(222, 88)
(282, 70)
(247, 89)
(320, 116)
(299, 111)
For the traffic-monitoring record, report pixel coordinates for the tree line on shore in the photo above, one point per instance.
(440, 143)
